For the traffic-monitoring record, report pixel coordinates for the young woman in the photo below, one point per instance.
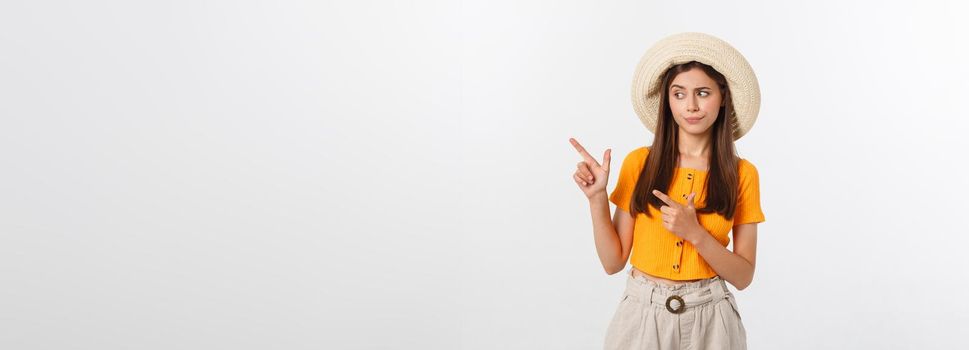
(678, 200)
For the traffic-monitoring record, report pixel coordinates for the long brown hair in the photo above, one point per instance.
(722, 176)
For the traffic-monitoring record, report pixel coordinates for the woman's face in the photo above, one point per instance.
(695, 101)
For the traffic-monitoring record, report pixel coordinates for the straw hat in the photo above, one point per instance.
(706, 49)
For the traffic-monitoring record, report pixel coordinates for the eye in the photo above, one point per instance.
(678, 94)
(704, 93)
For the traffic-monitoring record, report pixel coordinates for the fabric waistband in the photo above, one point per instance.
(693, 294)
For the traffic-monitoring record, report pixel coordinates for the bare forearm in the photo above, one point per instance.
(731, 267)
(608, 245)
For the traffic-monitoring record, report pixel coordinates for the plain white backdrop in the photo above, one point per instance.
(397, 175)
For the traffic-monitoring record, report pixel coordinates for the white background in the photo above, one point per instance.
(397, 175)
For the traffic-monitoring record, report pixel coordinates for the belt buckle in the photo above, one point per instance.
(677, 298)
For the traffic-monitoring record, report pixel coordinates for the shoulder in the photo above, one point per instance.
(746, 169)
(745, 164)
(639, 153)
(636, 156)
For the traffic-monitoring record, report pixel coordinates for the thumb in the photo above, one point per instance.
(606, 159)
(689, 200)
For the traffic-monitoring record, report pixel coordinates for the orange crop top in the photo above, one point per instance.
(659, 252)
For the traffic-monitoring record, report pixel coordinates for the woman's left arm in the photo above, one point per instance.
(736, 267)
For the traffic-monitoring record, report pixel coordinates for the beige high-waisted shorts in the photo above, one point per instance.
(653, 316)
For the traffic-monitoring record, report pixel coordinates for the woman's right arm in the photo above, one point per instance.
(613, 237)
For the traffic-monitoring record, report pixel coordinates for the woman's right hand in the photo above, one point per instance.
(590, 176)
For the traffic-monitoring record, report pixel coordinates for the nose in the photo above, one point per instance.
(693, 106)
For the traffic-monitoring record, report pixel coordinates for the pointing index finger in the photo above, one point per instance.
(666, 199)
(585, 155)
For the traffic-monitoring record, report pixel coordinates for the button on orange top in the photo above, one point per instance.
(659, 252)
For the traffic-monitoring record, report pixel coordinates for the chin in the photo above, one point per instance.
(697, 130)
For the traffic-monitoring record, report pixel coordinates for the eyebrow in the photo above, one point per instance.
(677, 86)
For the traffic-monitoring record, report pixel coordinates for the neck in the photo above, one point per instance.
(697, 146)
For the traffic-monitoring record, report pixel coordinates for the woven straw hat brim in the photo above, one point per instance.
(704, 48)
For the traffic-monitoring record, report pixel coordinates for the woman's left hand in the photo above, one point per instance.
(681, 219)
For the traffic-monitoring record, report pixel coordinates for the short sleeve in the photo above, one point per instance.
(748, 202)
(632, 166)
